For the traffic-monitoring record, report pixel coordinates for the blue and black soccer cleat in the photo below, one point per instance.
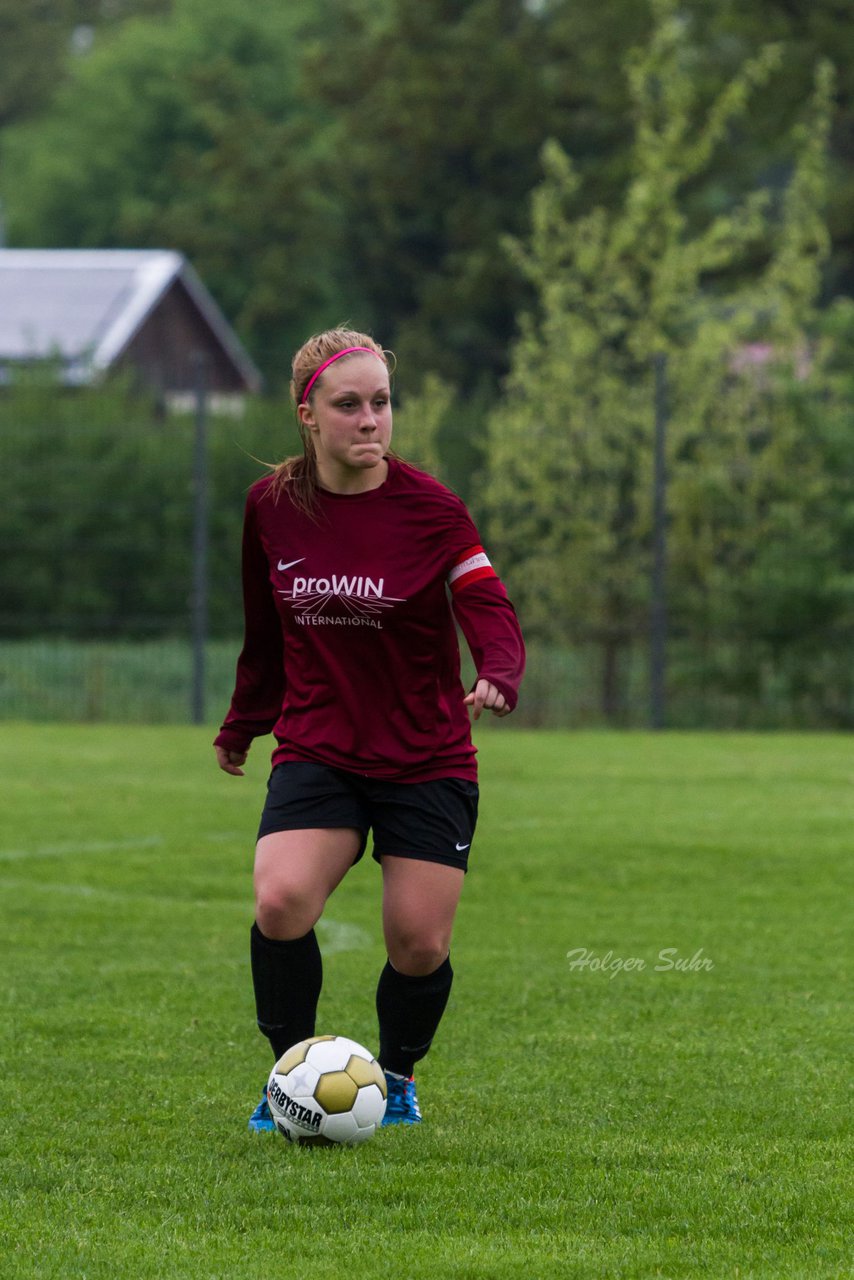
(261, 1121)
(402, 1104)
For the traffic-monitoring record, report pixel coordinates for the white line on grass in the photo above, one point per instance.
(64, 848)
(335, 935)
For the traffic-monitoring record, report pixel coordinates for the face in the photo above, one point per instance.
(349, 419)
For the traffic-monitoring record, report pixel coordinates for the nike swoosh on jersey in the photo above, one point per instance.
(460, 847)
(282, 567)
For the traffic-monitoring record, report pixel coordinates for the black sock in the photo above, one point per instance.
(409, 1010)
(287, 977)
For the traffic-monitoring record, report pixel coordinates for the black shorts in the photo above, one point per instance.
(430, 821)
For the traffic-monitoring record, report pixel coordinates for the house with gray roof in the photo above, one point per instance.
(96, 310)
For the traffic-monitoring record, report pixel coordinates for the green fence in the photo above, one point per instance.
(150, 681)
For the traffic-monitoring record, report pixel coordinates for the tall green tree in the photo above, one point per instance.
(568, 486)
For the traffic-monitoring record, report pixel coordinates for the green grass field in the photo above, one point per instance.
(586, 1115)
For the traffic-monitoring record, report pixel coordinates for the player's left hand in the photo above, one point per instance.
(485, 697)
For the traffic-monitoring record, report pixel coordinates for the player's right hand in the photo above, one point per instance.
(230, 761)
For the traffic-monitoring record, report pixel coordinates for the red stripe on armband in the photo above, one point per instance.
(471, 567)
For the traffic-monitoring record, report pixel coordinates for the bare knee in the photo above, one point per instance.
(417, 954)
(284, 911)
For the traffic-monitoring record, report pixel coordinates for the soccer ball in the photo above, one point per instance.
(327, 1089)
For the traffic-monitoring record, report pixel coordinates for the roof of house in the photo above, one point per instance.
(86, 305)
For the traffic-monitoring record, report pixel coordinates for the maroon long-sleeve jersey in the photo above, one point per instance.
(350, 653)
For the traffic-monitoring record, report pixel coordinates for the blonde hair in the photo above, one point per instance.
(297, 476)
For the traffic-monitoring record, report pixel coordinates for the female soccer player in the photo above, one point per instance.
(351, 658)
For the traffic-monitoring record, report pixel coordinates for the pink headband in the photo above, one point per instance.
(327, 363)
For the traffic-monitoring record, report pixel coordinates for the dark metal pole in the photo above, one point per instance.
(199, 594)
(658, 611)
